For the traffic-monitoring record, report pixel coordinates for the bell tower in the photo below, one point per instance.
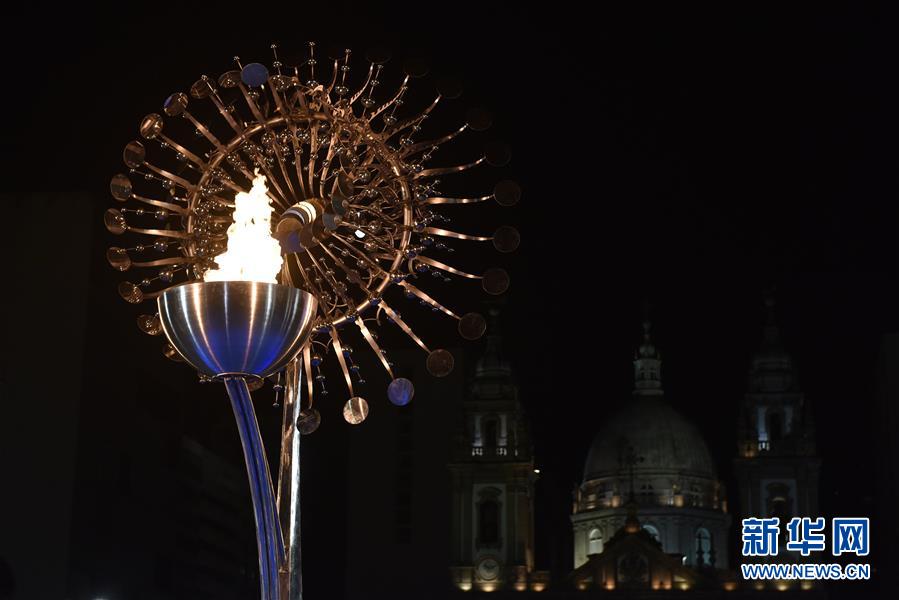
(493, 481)
(777, 465)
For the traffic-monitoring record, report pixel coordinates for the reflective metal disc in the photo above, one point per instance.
(118, 259)
(115, 221)
(170, 353)
(507, 193)
(151, 126)
(135, 154)
(308, 421)
(416, 67)
(201, 88)
(479, 119)
(149, 324)
(130, 292)
(281, 82)
(506, 239)
(449, 87)
(120, 187)
(254, 74)
(440, 363)
(378, 55)
(355, 410)
(472, 326)
(229, 79)
(495, 281)
(331, 221)
(498, 154)
(400, 391)
(175, 104)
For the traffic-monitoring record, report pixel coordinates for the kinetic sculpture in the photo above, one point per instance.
(278, 229)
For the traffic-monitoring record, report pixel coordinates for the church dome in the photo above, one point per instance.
(647, 457)
(661, 439)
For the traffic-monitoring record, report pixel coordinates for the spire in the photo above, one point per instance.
(491, 363)
(493, 379)
(647, 365)
(772, 333)
(647, 348)
(772, 367)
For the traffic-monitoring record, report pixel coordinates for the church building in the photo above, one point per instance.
(493, 480)
(650, 512)
(650, 461)
(777, 468)
(777, 465)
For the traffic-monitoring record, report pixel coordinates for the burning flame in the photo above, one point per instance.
(252, 254)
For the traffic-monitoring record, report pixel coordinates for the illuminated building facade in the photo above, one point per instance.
(777, 467)
(649, 459)
(493, 483)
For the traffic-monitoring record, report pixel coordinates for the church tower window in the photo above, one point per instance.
(489, 515)
(775, 426)
(780, 503)
(781, 480)
(704, 554)
(490, 433)
(493, 476)
(594, 542)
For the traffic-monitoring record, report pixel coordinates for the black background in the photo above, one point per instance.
(692, 156)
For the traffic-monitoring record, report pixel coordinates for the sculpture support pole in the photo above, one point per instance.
(231, 330)
(291, 578)
(268, 530)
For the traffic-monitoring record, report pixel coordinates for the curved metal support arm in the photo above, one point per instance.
(268, 529)
(289, 484)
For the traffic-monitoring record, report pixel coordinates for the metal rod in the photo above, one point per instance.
(268, 530)
(291, 576)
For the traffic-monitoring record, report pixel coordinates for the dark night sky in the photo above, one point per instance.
(692, 158)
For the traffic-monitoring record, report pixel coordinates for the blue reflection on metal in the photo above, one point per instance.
(233, 329)
(400, 391)
(254, 74)
(236, 327)
(268, 529)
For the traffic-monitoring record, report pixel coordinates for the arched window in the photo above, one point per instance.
(653, 531)
(704, 554)
(488, 521)
(594, 542)
(490, 435)
(489, 515)
(775, 426)
(780, 504)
